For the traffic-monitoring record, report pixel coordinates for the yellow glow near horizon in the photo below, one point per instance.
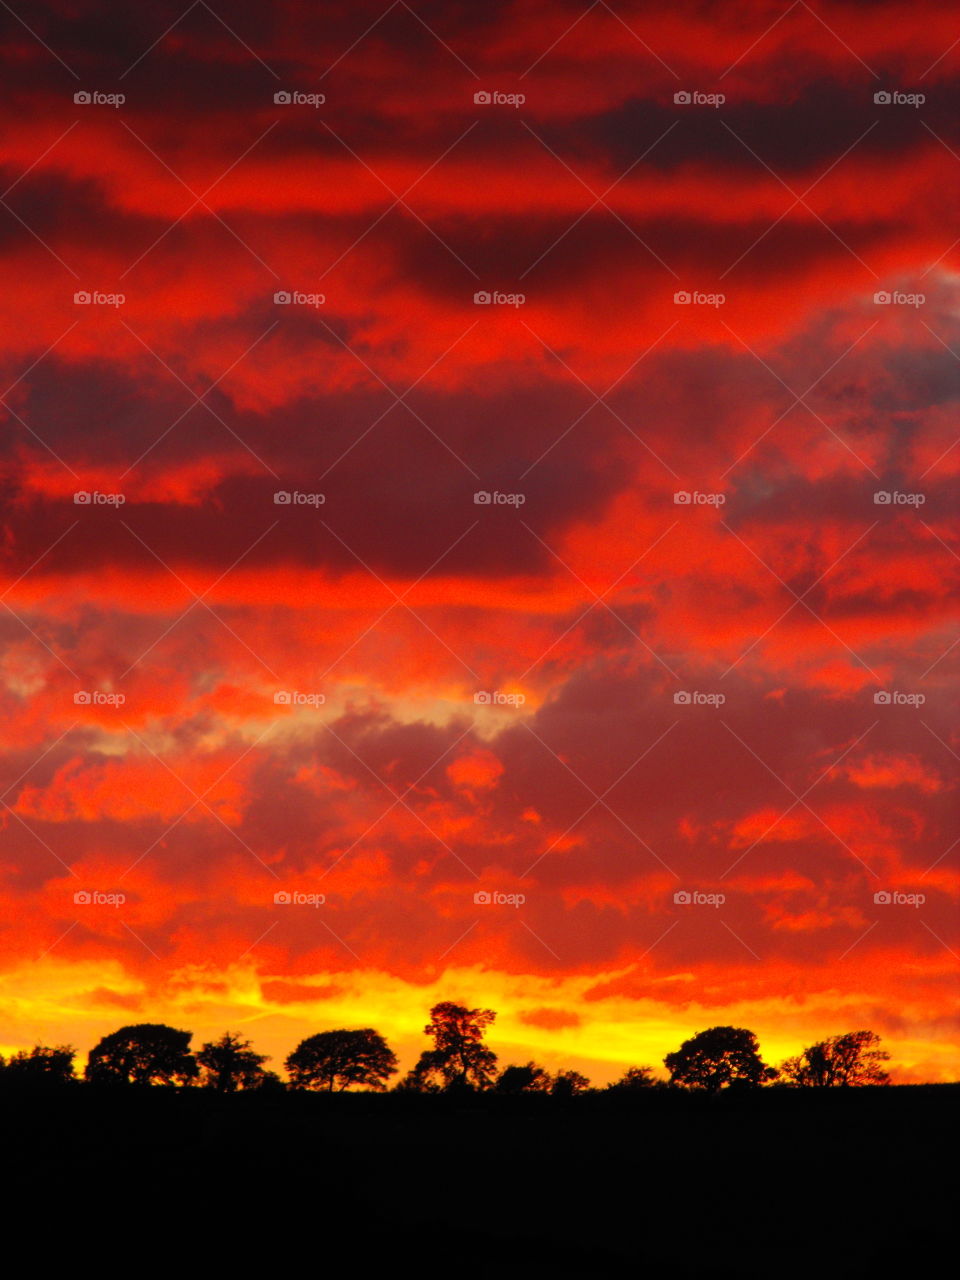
(78, 1003)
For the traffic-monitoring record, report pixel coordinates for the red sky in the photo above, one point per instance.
(783, 586)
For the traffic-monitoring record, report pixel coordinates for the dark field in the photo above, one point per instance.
(793, 1183)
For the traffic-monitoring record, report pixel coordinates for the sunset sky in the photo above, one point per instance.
(683, 861)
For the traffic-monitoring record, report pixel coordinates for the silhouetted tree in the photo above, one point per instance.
(420, 1078)
(335, 1060)
(634, 1079)
(44, 1064)
(526, 1079)
(717, 1057)
(148, 1053)
(459, 1058)
(851, 1059)
(229, 1064)
(567, 1084)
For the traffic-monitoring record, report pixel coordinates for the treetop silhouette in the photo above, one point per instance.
(459, 1059)
(851, 1059)
(230, 1063)
(336, 1060)
(526, 1079)
(147, 1053)
(42, 1065)
(718, 1057)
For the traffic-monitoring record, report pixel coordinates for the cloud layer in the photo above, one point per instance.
(681, 679)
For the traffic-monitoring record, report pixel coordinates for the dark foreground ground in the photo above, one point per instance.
(824, 1186)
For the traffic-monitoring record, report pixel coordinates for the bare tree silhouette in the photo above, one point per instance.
(851, 1059)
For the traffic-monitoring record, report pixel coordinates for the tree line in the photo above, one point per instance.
(458, 1059)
